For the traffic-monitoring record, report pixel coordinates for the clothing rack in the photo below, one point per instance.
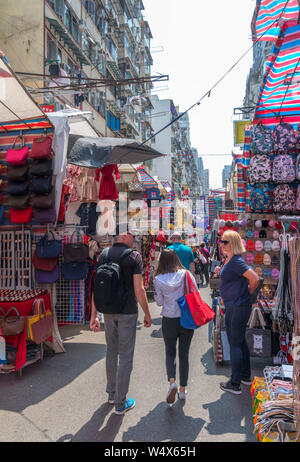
(289, 218)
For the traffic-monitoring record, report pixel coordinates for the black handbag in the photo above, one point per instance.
(41, 168)
(41, 184)
(17, 188)
(75, 251)
(18, 202)
(44, 201)
(17, 173)
(74, 271)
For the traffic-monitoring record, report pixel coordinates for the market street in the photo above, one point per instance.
(63, 398)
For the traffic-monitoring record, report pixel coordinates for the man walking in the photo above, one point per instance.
(204, 251)
(183, 252)
(120, 326)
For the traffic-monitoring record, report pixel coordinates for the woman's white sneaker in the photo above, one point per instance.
(172, 393)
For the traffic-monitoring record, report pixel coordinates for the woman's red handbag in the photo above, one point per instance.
(41, 148)
(194, 311)
(20, 215)
(44, 264)
(17, 156)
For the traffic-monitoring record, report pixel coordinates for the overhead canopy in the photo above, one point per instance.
(95, 152)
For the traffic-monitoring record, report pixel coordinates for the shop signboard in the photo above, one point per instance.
(239, 131)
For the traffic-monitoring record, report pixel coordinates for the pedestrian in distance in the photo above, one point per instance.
(118, 288)
(204, 251)
(183, 252)
(169, 287)
(198, 266)
(238, 282)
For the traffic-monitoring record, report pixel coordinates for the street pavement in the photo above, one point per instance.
(63, 398)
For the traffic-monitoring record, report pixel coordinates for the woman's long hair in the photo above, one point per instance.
(168, 262)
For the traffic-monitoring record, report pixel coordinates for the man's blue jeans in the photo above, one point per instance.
(236, 318)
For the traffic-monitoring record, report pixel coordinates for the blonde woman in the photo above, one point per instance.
(238, 281)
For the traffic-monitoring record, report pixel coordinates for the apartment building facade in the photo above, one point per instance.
(89, 48)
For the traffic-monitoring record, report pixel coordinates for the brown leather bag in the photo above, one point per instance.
(11, 325)
(17, 173)
(18, 202)
(41, 323)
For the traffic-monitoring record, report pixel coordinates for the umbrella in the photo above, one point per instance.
(95, 152)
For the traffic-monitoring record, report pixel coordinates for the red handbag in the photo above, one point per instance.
(20, 215)
(44, 264)
(41, 148)
(17, 156)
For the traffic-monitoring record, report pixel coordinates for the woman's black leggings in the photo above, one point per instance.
(172, 330)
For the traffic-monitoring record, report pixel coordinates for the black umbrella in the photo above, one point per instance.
(96, 152)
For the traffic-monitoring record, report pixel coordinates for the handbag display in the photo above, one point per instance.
(135, 185)
(40, 323)
(194, 311)
(47, 277)
(44, 216)
(17, 156)
(44, 264)
(18, 202)
(11, 325)
(75, 251)
(17, 173)
(41, 167)
(20, 215)
(17, 188)
(74, 271)
(259, 339)
(48, 248)
(41, 184)
(41, 148)
(44, 201)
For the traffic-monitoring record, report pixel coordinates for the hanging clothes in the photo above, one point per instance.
(88, 216)
(108, 189)
(106, 223)
(73, 174)
(88, 185)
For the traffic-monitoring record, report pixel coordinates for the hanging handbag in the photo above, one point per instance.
(75, 251)
(44, 201)
(135, 185)
(44, 264)
(17, 173)
(48, 248)
(18, 202)
(17, 189)
(11, 325)
(47, 277)
(74, 271)
(41, 184)
(194, 311)
(44, 216)
(40, 323)
(1, 214)
(17, 156)
(41, 148)
(20, 215)
(259, 339)
(41, 167)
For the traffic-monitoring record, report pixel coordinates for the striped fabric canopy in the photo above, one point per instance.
(169, 189)
(270, 15)
(280, 92)
(146, 179)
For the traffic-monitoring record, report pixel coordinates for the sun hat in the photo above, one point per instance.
(267, 259)
(267, 273)
(250, 246)
(258, 223)
(258, 259)
(268, 246)
(262, 234)
(249, 233)
(258, 246)
(249, 258)
(275, 273)
(276, 246)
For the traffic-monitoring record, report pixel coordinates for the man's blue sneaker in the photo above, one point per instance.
(129, 404)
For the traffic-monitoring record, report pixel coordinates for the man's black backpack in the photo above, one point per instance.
(110, 291)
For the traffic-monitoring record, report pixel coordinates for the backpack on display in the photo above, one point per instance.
(109, 288)
(284, 198)
(298, 167)
(261, 140)
(260, 169)
(297, 203)
(283, 169)
(261, 198)
(284, 138)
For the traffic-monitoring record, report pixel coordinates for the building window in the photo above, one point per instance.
(112, 121)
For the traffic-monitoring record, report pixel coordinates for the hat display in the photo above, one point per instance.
(265, 223)
(262, 234)
(278, 225)
(258, 271)
(275, 273)
(275, 260)
(258, 246)
(229, 223)
(249, 233)
(267, 273)
(249, 258)
(272, 223)
(255, 234)
(258, 223)
(236, 223)
(267, 259)
(243, 222)
(249, 222)
(275, 234)
(268, 246)
(258, 259)
(222, 223)
(250, 246)
(276, 246)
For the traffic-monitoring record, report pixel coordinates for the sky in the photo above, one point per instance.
(201, 41)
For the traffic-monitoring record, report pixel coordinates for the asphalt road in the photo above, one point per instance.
(63, 398)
